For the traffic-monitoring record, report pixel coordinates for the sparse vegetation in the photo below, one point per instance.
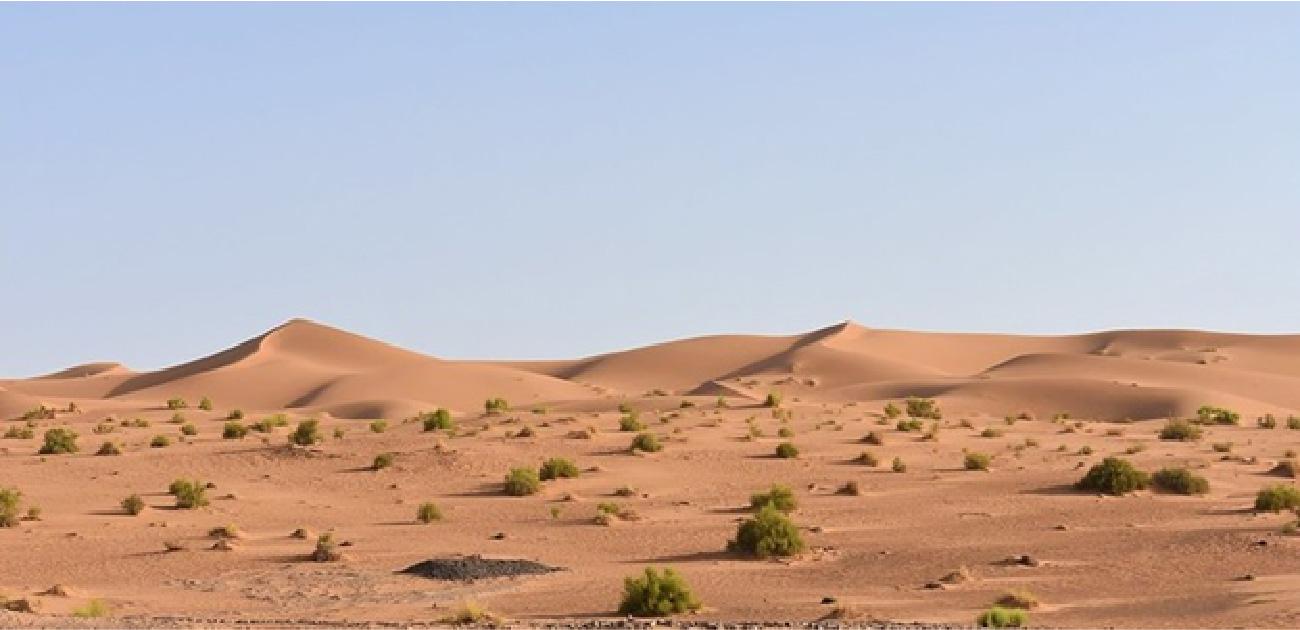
(874, 438)
(190, 493)
(558, 467)
(382, 461)
(923, 408)
(899, 466)
(326, 549)
(976, 461)
(205, 403)
(787, 450)
(133, 505)
(910, 425)
(1217, 415)
(378, 426)
(10, 502)
(1113, 476)
(93, 609)
(999, 617)
(189, 429)
(428, 512)
(177, 403)
(1180, 430)
(1179, 481)
(778, 497)
(59, 441)
(306, 433)
(160, 441)
(657, 594)
(522, 482)
(1277, 497)
(647, 442)
(1266, 421)
(494, 406)
(867, 459)
(767, 533)
(630, 422)
(773, 400)
(234, 431)
(892, 411)
(437, 420)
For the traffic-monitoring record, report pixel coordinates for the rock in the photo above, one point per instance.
(301, 533)
(499, 536)
(58, 590)
(829, 600)
(20, 605)
(224, 544)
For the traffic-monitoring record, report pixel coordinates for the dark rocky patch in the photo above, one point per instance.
(475, 567)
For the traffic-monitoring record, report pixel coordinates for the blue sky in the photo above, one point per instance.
(555, 180)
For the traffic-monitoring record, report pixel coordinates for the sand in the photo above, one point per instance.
(1143, 560)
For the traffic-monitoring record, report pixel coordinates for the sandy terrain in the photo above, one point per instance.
(1142, 560)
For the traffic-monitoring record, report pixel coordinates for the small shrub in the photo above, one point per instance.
(785, 432)
(160, 441)
(133, 505)
(235, 414)
(19, 433)
(108, 448)
(1021, 599)
(1181, 430)
(923, 408)
(899, 466)
(909, 425)
(437, 420)
(1222, 447)
(630, 423)
(991, 432)
(1293, 423)
(326, 549)
(93, 609)
(1285, 468)
(998, 617)
(874, 438)
(892, 411)
(1267, 421)
(59, 441)
(867, 459)
(177, 403)
(773, 400)
(189, 429)
(495, 406)
(378, 426)
(767, 533)
(1179, 481)
(306, 433)
(647, 442)
(1113, 476)
(656, 594)
(382, 461)
(787, 450)
(10, 500)
(234, 431)
(428, 513)
(1277, 497)
(190, 494)
(976, 461)
(779, 497)
(558, 467)
(205, 403)
(522, 482)
(1217, 415)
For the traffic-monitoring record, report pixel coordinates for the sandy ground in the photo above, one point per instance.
(1144, 560)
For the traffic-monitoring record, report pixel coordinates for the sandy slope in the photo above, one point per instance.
(1147, 560)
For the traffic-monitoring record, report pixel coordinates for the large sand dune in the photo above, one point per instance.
(1147, 559)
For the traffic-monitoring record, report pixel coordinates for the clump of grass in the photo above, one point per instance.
(656, 594)
(133, 505)
(326, 549)
(873, 438)
(234, 431)
(1293, 423)
(767, 533)
(1020, 598)
(899, 466)
(437, 420)
(471, 613)
(923, 408)
(785, 432)
(773, 400)
(892, 411)
(787, 450)
(1277, 497)
(779, 497)
(189, 429)
(1179, 481)
(1222, 447)
(177, 403)
(647, 442)
(190, 493)
(428, 512)
(1114, 476)
(160, 441)
(205, 403)
(522, 482)
(10, 502)
(19, 433)
(235, 414)
(910, 425)
(630, 422)
(494, 406)
(1267, 421)
(991, 432)
(1217, 415)
(378, 426)
(999, 617)
(976, 461)
(850, 488)
(59, 441)
(558, 467)
(93, 609)
(1180, 430)
(382, 461)
(867, 459)
(108, 448)
(306, 433)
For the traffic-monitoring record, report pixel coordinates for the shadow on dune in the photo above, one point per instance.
(695, 556)
(1059, 490)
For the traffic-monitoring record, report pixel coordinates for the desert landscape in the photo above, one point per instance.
(847, 475)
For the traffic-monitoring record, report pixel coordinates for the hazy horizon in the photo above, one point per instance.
(553, 181)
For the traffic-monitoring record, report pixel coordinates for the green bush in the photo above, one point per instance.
(189, 429)
(630, 422)
(892, 411)
(657, 594)
(556, 468)
(10, 500)
(235, 414)
(977, 461)
(1293, 422)
(923, 408)
(234, 431)
(108, 448)
(177, 403)
(867, 459)
(59, 441)
(190, 494)
(1277, 497)
(785, 432)
(910, 425)
(1113, 476)
(1180, 430)
(1267, 421)
(999, 617)
(133, 504)
(899, 466)
(437, 420)
(378, 426)
(778, 497)
(205, 403)
(306, 433)
(767, 533)
(522, 482)
(787, 450)
(428, 513)
(495, 406)
(1179, 481)
(160, 441)
(873, 438)
(647, 442)
(1217, 415)
(93, 609)
(382, 461)
(773, 400)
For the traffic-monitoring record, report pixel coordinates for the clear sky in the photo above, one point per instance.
(556, 180)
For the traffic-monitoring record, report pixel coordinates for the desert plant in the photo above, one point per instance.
(133, 504)
(1181, 430)
(767, 533)
(306, 433)
(382, 461)
(999, 617)
(1277, 497)
(778, 497)
(19, 433)
(656, 594)
(909, 425)
(428, 512)
(1266, 421)
(873, 438)
(647, 442)
(867, 459)
(1293, 422)
(1020, 598)
(976, 461)
(892, 411)
(557, 467)
(495, 406)
(378, 426)
(10, 501)
(1217, 415)
(899, 466)
(326, 549)
(235, 414)
(1179, 481)
(108, 448)
(785, 432)
(787, 450)
(1222, 447)
(205, 403)
(58, 441)
(630, 422)
(1113, 476)
(160, 441)
(92, 609)
(189, 429)
(190, 494)
(773, 400)
(437, 420)
(177, 403)
(234, 431)
(522, 482)
(923, 408)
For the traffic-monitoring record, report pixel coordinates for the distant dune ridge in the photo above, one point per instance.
(312, 367)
